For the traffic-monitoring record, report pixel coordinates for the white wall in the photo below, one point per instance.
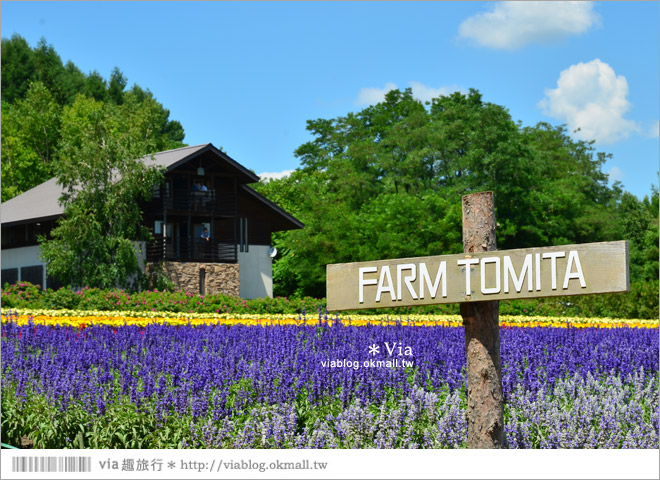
(22, 257)
(256, 272)
(29, 257)
(256, 267)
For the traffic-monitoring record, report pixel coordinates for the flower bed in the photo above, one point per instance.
(640, 302)
(78, 318)
(176, 381)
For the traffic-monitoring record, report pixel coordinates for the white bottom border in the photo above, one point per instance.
(367, 464)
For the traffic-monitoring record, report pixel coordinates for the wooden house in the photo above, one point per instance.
(212, 232)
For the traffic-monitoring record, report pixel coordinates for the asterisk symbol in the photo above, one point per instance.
(374, 349)
(171, 465)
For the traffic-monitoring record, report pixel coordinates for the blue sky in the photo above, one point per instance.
(246, 76)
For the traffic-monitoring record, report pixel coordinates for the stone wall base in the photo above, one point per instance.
(211, 277)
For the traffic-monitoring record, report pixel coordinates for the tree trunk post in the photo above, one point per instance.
(485, 409)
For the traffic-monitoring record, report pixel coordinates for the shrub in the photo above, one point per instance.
(640, 302)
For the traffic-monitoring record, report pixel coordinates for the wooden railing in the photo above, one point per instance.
(191, 249)
(217, 203)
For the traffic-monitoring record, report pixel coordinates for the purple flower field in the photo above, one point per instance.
(320, 387)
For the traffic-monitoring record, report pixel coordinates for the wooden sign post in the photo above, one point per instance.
(485, 409)
(478, 279)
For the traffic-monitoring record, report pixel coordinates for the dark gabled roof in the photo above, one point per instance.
(38, 203)
(171, 159)
(286, 221)
(42, 201)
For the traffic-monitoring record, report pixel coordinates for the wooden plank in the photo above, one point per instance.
(583, 269)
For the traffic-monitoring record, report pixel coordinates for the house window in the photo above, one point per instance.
(33, 274)
(10, 237)
(31, 232)
(158, 228)
(244, 245)
(198, 229)
(9, 275)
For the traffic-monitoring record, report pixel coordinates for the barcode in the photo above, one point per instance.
(51, 464)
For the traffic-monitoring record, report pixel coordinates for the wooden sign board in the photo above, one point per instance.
(583, 269)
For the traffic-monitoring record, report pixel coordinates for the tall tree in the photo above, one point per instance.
(116, 86)
(49, 69)
(95, 86)
(17, 67)
(387, 181)
(73, 83)
(170, 130)
(40, 121)
(35, 87)
(30, 133)
(103, 177)
(18, 159)
(638, 223)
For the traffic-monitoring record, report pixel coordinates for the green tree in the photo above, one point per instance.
(18, 160)
(171, 130)
(40, 121)
(17, 68)
(30, 134)
(387, 181)
(103, 178)
(116, 86)
(73, 82)
(649, 247)
(35, 87)
(571, 201)
(95, 86)
(638, 223)
(49, 69)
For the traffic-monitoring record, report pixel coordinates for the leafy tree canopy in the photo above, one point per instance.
(30, 133)
(36, 87)
(386, 182)
(98, 165)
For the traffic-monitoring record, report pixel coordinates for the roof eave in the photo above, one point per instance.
(294, 223)
(27, 221)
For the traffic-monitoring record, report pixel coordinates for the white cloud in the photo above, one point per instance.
(654, 130)
(511, 25)
(426, 93)
(372, 96)
(275, 175)
(615, 174)
(592, 98)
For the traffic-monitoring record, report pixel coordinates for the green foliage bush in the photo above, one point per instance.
(26, 295)
(640, 302)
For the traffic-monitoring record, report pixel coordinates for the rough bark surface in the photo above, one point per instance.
(485, 413)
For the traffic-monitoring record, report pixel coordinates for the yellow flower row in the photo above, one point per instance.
(79, 318)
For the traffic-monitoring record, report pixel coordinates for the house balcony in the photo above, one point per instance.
(187, 249)
(213, 203)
